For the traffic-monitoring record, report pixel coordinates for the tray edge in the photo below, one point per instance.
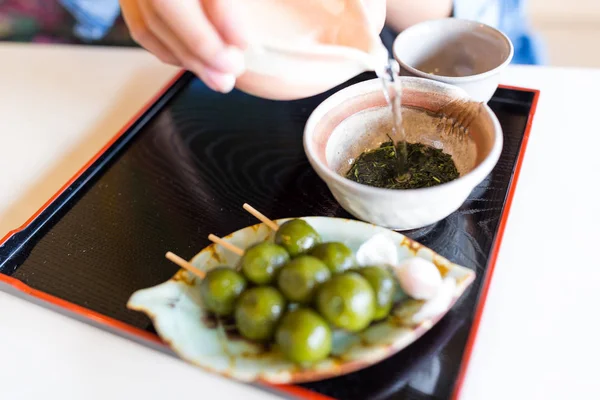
(99, 320)
(482, 298)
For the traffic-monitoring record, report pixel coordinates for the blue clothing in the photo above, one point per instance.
(509, 17)
(96, 17)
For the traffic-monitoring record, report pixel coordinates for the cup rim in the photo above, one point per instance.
(479, 172)
(454, 79)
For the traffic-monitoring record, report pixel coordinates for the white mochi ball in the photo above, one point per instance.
(419, 278)
(379, 250)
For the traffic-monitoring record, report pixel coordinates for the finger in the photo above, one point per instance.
(222, 14)
(189, 23)
(141, 34)
(216, 80)
(159, 28)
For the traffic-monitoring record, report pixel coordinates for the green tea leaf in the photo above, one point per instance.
(426, 167)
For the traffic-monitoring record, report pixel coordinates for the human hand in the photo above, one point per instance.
(202, 36)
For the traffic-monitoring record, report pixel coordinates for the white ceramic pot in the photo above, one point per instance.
(358, 117)
(463, 53)
(300, 48)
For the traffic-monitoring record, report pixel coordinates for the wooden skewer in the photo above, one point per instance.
(215, 239)
(185, 265)
(227, 245)
(261, 217)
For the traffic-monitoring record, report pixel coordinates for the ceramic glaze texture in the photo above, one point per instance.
(176, 310)
(300, 48)
(464, 53)
(357, 118)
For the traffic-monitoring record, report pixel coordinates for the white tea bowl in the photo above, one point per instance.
(464, 53)
(358, 118)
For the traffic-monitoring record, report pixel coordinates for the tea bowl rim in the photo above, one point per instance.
(472, 178)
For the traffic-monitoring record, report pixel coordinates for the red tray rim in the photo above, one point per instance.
(293, 390)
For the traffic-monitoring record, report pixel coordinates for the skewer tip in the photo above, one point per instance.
(184, 264)
(261, 217)
(231, 247)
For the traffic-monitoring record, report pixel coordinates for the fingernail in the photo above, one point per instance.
(230, 60)
(219, 81)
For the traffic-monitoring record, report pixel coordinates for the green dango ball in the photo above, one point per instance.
(384, 287)
(261, 262)
(297, 237)
(220, 289)
(337, 256)
(303, 336)
(258, 312)
(347, 301)
(300, 278)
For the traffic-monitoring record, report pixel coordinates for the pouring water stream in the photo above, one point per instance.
(392, 89)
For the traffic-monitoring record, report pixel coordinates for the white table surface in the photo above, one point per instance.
(538, 338)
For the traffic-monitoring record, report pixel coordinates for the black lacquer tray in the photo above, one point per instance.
(184, 167)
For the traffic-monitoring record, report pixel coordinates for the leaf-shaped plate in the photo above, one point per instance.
(176, 310)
